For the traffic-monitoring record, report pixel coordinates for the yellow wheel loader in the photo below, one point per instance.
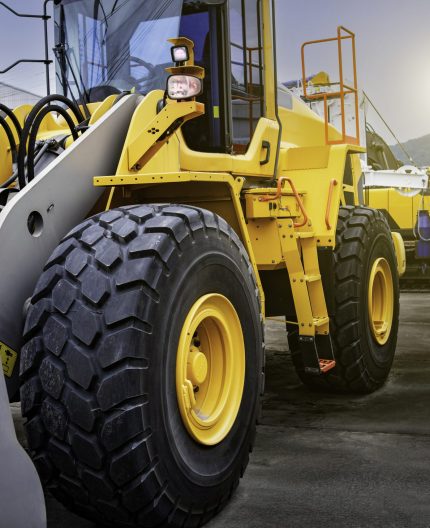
(180, 200)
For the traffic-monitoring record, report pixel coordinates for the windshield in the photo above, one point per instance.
(109, 46)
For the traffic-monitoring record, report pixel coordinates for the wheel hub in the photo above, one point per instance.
(381, 300)
(210, 369)
(197, 366)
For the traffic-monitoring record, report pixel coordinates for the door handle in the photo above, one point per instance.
(266, 145)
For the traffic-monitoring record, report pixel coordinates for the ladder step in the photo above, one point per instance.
(312, 278)
(317, 354)
(326, 365)
(320, 321)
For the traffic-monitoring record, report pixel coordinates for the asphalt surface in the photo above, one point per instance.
(329, 460)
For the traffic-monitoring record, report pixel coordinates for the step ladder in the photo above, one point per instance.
(300, 255)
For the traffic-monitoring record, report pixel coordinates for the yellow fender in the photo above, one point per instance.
(399, 247)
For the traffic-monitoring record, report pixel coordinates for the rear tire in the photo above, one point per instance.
(363, 359)
(98, 366)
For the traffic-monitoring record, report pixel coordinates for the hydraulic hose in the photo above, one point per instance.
(35, 129)
(30, 122)
(4, 196)
(13, 147)
(40, 153)
(9, 113)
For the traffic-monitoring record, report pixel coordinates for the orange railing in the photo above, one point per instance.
(333, 184)
(344, 90)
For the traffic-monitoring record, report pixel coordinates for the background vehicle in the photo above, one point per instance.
(154, 246)
(400, 191)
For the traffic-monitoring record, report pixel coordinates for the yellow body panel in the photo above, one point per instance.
(399, 247)
(279, 229)
(247, 164)
(21, 113)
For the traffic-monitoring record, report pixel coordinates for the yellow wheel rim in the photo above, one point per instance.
(381, 300)
(210, 369)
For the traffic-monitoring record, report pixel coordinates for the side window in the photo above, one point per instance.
(204, 26)
(247, 71)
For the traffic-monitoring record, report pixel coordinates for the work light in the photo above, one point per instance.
(180, 54)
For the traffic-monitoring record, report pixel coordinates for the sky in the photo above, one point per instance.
(393, 51)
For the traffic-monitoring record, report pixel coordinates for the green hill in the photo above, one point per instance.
(418, 148)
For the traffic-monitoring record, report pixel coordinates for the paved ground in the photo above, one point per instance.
(336, 461)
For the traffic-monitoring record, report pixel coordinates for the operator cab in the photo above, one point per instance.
(106, 47)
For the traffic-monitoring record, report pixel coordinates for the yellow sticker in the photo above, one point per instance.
(216, 112)
(8, 359)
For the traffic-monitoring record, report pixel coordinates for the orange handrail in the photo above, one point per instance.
(333, 184)
(344, 88)
(269, 198)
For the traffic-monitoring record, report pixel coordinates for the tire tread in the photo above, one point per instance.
(106, 255)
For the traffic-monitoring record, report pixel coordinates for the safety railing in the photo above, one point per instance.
(46, 61)
(344, 91)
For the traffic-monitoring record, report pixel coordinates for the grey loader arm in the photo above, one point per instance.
(61, 196)
(22, 504)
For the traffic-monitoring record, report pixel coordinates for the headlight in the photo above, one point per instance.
(183, 86)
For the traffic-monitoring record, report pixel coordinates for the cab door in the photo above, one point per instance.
(239, 128)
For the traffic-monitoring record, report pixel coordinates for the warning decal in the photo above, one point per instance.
(8, 359)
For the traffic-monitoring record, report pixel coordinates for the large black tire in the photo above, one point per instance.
(362, 364)
(98, 366)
